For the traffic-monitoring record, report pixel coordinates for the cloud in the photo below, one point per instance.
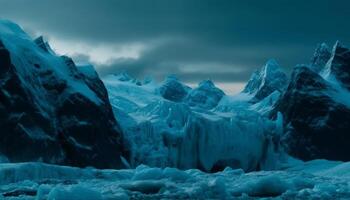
(225, 40)
(194, 60)
(100, 54)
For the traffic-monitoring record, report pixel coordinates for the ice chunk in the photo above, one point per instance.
(175, 174)
(268, 186)
(145, 173)
(74, 192)
(145, 186)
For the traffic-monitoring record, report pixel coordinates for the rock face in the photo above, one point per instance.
(317, 123)
(44, 45)
(320, 58)
(50, 109)
(206, 95)
(338, 65)
(173, 90)
(265, 81)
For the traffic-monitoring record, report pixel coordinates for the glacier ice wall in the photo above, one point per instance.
(161, 132)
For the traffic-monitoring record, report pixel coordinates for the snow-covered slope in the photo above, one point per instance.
(318, 179)
(50, 109)
(185, 131)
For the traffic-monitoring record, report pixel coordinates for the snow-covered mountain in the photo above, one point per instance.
(205, 96)
(52, 110)
(265, 81)
(173, 90)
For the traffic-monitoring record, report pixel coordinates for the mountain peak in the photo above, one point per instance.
(339, 48)
(206, 95)
(266, 80)
(43, 44)
(39, 40)
(338, 65)
(171, 77)
(271, 65)
(206, 83)
(320, 58)
(172, 89)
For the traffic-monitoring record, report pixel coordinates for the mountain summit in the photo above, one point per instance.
(206, 95)
(268, 79)
(320, 58)
(338, 66)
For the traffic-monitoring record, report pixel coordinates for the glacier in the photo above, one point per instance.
(171, 124)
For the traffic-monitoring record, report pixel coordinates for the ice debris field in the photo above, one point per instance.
(318, 179)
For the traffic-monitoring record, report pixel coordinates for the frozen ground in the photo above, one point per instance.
(318, 179)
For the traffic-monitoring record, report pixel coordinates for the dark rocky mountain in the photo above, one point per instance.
(50, 109)
(338, 65)
(316, 110)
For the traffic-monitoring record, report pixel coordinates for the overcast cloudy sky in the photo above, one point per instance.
(195, 39)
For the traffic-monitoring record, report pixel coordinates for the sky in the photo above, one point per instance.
(221, 40)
